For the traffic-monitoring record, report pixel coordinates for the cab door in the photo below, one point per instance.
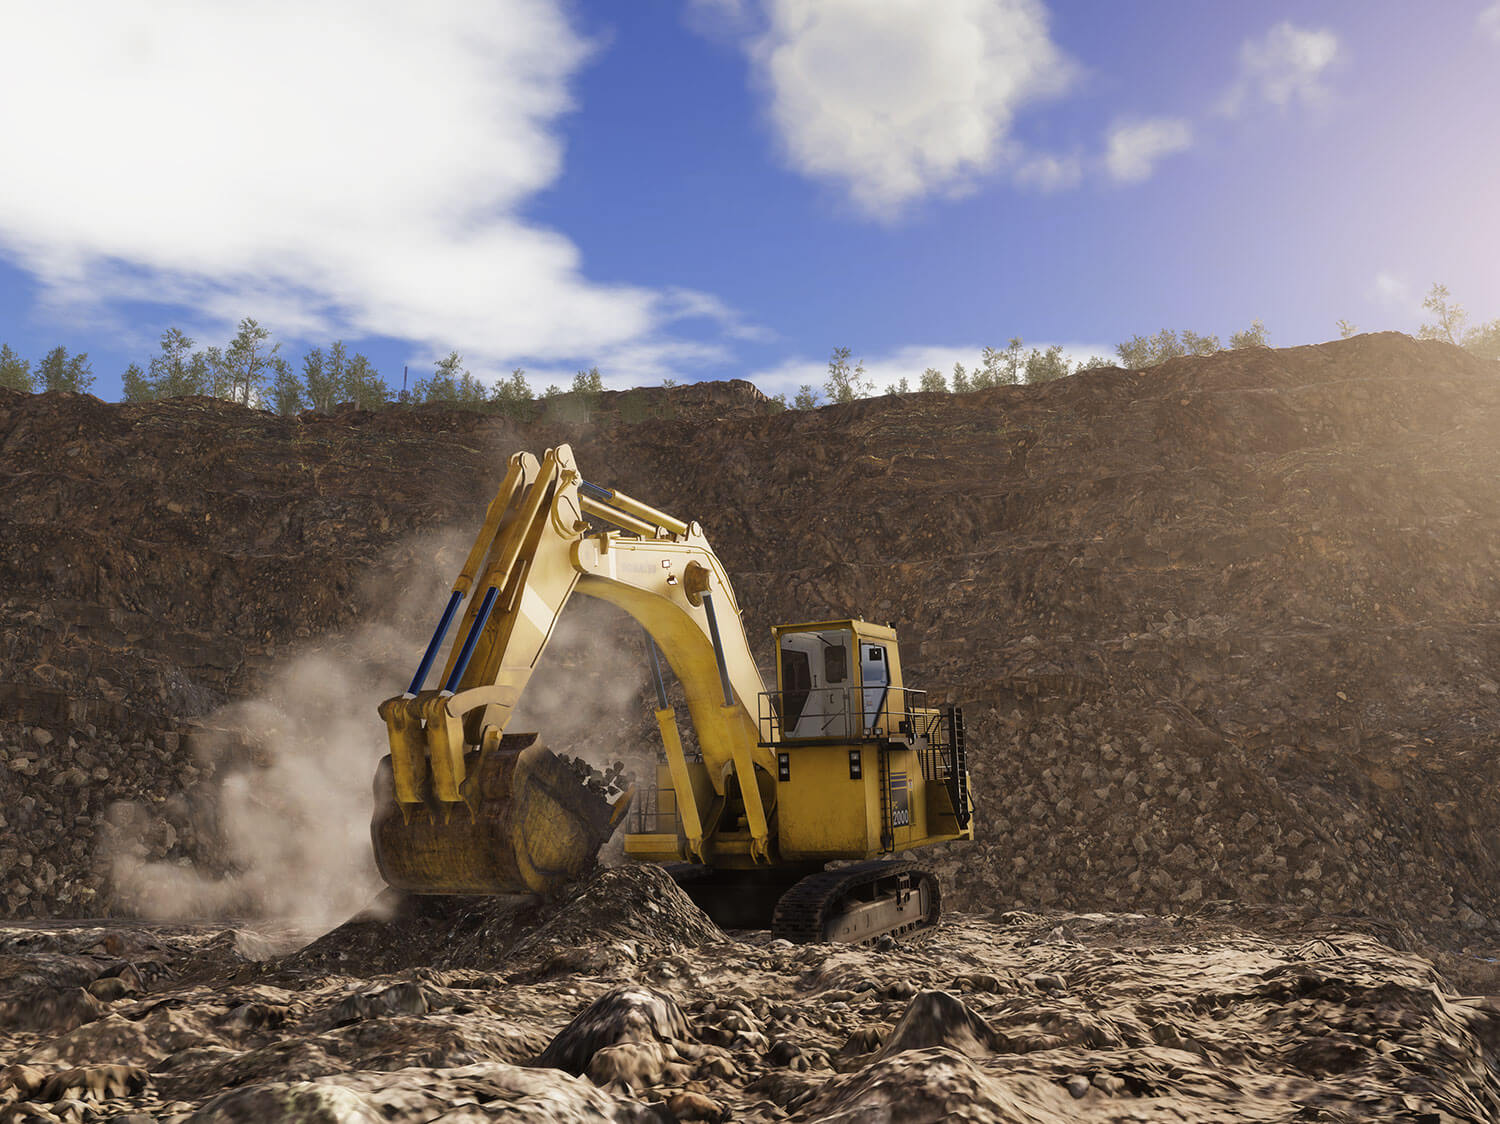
(875, 679)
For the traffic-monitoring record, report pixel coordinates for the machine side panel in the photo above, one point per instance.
(824, 812)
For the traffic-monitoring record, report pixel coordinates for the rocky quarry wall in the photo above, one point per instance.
(1224, 629)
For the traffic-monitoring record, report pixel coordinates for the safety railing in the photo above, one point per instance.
(647, 814)
(845, 714)
(937, 758)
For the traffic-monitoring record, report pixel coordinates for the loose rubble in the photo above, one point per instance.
(609, 784)
(1019, 1017)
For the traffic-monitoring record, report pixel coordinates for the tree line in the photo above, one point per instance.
(1014, 365)
(251, 369)
(57, 370)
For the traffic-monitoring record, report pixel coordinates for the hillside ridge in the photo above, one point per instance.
(1225, 628)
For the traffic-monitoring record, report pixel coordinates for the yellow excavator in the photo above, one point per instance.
(842, 763)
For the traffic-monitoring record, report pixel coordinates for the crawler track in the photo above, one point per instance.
(897, 897)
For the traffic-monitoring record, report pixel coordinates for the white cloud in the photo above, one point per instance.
(329, 166)
(1394, 292)
(900, 99)
(1489, 22)
(1045, 172)
(1286, 65)
(1134, 147)
(630, 365)
(908, 362)
(649, 361)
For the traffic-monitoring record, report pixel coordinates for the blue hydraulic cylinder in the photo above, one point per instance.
(420, 679)
(713, 634)
(467, 651)
(661, 687)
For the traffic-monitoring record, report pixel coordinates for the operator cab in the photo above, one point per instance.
(836, 680)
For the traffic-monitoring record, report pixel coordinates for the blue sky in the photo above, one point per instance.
(731, 188)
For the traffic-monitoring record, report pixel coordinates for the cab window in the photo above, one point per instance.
(796, 678)
(835, 664)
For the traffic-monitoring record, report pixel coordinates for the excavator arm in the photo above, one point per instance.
(459, 783)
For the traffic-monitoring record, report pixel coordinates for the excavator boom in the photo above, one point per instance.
(464, 808)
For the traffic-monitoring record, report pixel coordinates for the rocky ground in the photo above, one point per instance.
(624, 1003)
(1226, 632)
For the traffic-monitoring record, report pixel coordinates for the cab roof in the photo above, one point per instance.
(865, 629)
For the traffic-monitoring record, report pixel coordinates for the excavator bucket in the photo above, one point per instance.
(527, 826)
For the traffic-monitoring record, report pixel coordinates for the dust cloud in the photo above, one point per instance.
(588, 695)
(283, 830)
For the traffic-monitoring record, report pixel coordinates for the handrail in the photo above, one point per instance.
(900, 711)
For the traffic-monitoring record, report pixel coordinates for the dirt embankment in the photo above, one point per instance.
(1225, 629)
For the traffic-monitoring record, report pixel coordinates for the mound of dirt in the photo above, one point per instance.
(402, 931)
(615, 918)
(417, 1094)
(935, 1018)
(632, 910)
(628, 1038)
